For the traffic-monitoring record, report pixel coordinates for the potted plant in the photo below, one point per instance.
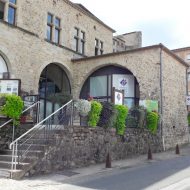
(94, 114)
(12, 108)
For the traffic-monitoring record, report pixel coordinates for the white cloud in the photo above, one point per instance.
(151, 17)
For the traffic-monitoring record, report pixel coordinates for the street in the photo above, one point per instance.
(167, 175)
(167, 171)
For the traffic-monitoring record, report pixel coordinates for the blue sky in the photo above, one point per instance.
(163, 21)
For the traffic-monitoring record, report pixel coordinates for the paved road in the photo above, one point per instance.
(168, 175)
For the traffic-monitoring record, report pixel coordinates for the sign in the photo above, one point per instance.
(10, 86)
(30, 116)
(118, 97)
(188, 100)
(150, 105)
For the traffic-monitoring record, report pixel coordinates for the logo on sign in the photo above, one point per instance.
(123, 82)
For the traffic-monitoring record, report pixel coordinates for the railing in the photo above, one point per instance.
(41, 135)
(35, 105)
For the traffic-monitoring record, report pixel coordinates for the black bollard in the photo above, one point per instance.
(108, 161)
(177, 149)
(149, 154)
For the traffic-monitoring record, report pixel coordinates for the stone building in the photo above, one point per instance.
(58, 47)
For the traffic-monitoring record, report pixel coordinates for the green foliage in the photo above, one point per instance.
(120, 125)
(152, 121)
(108, 115)
(136, 117)
(188, 119)
(12, 108)
(94, 114)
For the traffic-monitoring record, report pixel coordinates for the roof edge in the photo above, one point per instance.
(134, 50)
(88, 14)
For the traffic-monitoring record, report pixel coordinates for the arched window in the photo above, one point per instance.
(99, 85)
(3, 67)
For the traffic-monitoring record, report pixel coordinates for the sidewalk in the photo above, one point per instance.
(56, 181)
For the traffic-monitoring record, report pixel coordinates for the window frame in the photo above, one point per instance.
(7, 6)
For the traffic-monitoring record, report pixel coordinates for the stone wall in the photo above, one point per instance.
(81, 146)
(175, 126)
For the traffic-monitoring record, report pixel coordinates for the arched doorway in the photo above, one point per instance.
(3, 67)
(54, 89)
(100, 83)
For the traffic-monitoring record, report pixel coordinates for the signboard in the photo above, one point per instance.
(150, 105)
(188, 100)
(30, 116)
(10, 86)
(118, 97)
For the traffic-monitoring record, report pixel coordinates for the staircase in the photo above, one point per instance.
(25, 152)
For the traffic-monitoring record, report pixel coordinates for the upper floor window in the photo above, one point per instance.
(79, 41)
(8, 11)
(53, 28)
(188, 57)
(99, 47)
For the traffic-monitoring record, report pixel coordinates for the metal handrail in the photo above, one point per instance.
(36, 103)
(37, 125)
(22, 145)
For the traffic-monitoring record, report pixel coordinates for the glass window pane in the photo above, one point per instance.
(98, 86)
(12, 1)
(82, 35)
(129, 102)
(49, 18)
(76, 44)
(3, 67)
(101, 45)
(76, 31)
(124, 82)
(57, 34)
(11, 15)
(2, 7)
(96, 42)
(82, 47)
(57, 22)
(49, 32)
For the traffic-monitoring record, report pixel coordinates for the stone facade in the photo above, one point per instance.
(82, 146)
(27, 52)
(145, 64)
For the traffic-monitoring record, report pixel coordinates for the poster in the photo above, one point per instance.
(9, 86)
(118, 97)
(150, 105)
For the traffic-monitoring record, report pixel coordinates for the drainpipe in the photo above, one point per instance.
(161, 98)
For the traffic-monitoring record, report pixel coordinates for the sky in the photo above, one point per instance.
(160, 21)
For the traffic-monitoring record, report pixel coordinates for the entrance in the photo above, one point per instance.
(99, 85)
(54, 89)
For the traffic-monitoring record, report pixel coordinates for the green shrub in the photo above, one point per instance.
(152, 121)
(13, 107)
(120, 125)
(94, 114)
(188, 119)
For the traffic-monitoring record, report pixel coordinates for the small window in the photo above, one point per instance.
(79, 41)
(2, 8)
(11, 15)
(50, 18)
(12, 1)
(188, 57)
(57, 22)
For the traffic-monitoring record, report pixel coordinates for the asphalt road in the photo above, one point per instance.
(168, 174)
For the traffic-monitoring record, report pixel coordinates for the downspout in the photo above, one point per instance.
(161, 99)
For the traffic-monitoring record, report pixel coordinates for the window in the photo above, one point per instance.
(96, 46)
(79, 41)
(188, 57)
(53, 28)
(82, 42)
(8, 15)
(99, 47)
(49, 26)
(57, 30)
